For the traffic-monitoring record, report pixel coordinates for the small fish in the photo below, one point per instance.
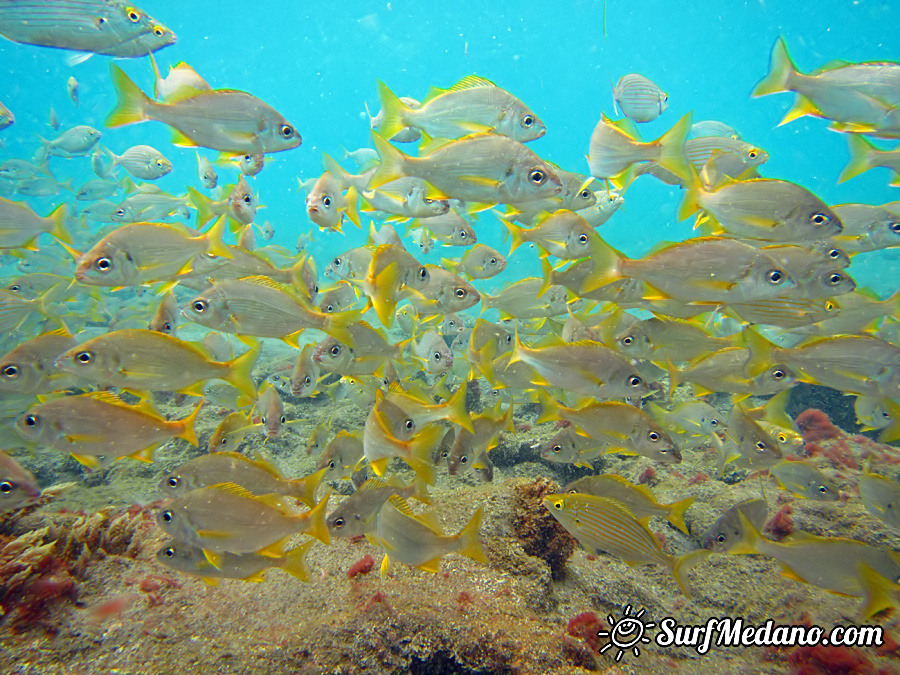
(355, 516)
(305, 374)
(180, 81)
(251, 164)
(226, 518)
(723, 371)
(144, 162)
(110, 27)
(569, 447)
(482, 168)
(881, 497)
(838, 565)
(472, 105)
(270, 409)
(657, 339)
(637, 498)
(338, 298)
(417, 541)
(340, 456)
(205, 171)
(563, 234)
(878, 413)
(639, 98)
(470, 447)
(187, 559)
(75, 141)
(225, 120)
(266, 231)
(615, 146)
(326, 205)
(603, 525)
(728, 530)
(608, 202)
(72, 89)
(432, 350)
(694, 418)
(450, 229)
(621, 426)
(258, 477)
(757, 447)
(404, 198)
(165, 319)
(523, 299)
(868, 227)
(42, 186)
(89, 426)
(391, 432)
(20, 226)
(30, 367)
(732, 157)
(98, 188)
(7, 119)
(228, 436)
(805, 480)
(20, 169)
(18, 488)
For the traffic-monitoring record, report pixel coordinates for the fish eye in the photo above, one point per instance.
(558, 504)
(819, 219)
(173, 482)
(199, 306)
(283, 419)
(779, 374)
(445, 454)
(224, 441)
(84, 357)
(287, 130)
(762, 447)
(158, 31)
(159, 163)
(528, 121)
(823, 489)
(583, 239)
(537, 176)
(248, 199)
(423, 273)
(336, 350)
(628, 340)
(329, 308)
(493, 261)
(509, 339)
(120, 213)
(339, 523)
(169, 552)
(337, 261)
(331, 464)
(15, 288)
(133, 15)
(409, 425)
(167, 327)
(775, 276)
(461, 293)
(437, 356)
(6, 487)
(894, 227)
(463, 234)
(753, 154)
(307, 380)
(31, 420)
(11, 371)
(103, 264)
(557, 448)
(782, 438)
(635, 381)
(714, 423)
(326, 201)
(247, 158)
(654, 437)
(263, 420)
(835, 278)
(720, 538)
(835, 253)
(585, 194)
(168, 516)
(463, 459)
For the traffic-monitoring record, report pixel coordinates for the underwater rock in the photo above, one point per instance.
(540, 533)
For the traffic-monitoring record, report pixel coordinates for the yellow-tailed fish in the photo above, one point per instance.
(30, 368)
(879, 413)
(20, 226)
(569, 447)
(728, 530)
(18, 487)
(341, 456)
(270, 409)
(355, 516)
(805, 480)
(469, 446)
(881, 497)
(326, 205)
(228, 436)
(143, 161)
(615, 146)
(165, 318)
(479, 262)
(563, 234)
(188, 559)
(449, 228)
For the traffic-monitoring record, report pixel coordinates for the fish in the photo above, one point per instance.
(868, 227)
(226, 120)
(259, 307)
(523, 299)
(604, 525)
(639, 500)
(144, 162)
(72, 142)
(259, 477)
(18, 487)
(728, 529)
(42, 186)
(481, 168)
(231, 431)
(621, 426)
(305, 374)
(109, 27)
(693, 418)
(878, 413)
(805, 480)
(450, 229)
(417, 541)
(29, 368)
(100, 424)
(7, 119)
(165, 318)
(864, 155)
(615, 146)
(206, 172)
(226, 518)
(20, 169)
(270, 409)
(251, 164)
(146, 360)
(318, 438)
(405, 135)
(179, 81)
(657, 339)
(326, 205)
(98, 188)
(765, 209)
(881, 497)
(725, 156)
(20, 226)
(356, 515)
(432, 350)
(469, 448)
(187, 559)
(608, 202)
(443, 292)
(569, 447)
(757, 447)
(337, 298)
(472, 105)
(723, 371)
(341, 456)
(639, 98)
(836, 564)
(562, 234)
(72, 89)
(404, 198)
(141, 253)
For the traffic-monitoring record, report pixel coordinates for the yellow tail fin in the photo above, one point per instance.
(240, 372)
(392, 162)
(57, 220)
(676, 513)
(780, 70)
(392, 112)
(671, 148)
(131, 102)
(189, 433)
(295, 561)
(314, 520)
(470, 541)
(860, 157)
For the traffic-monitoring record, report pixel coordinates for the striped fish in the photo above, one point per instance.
(110, 27)
(740, 155)
(604, 525)
(639, 98)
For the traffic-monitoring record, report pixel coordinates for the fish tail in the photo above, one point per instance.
(750, 538)
(314, 520)
(205, 206)
(331, 166)
(550, 409)
(676, 513)
(420, 449)
(456, 408)
(157, 76)
(879, 593)
(420, 490)
(671, 149)
(305, 488)
(514, 230)
(188, 432)
(690, 204)
(684, 564)
(606, 261)
(240, 372)
(352, 210)
(470, 541)
(392, 111)
(336, 325)
(295, 561)
(674, 380)
(761, 352)
(392, 162)
(781, 68)
(384, 286)
(861, 152)
(214, 238)
(892, 431)
(57, 220)
(131, 104)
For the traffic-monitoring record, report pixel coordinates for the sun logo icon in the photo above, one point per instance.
(626, 633)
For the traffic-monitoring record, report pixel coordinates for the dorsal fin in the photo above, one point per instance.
(400, 504)
(234, 489)
(106, 397)
(471, 82)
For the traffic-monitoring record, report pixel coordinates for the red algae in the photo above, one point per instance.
(699, 478)
(781, 524)
(830, 660)
(585, 626)
(361, 567)
(647, 476)
(814, 425)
